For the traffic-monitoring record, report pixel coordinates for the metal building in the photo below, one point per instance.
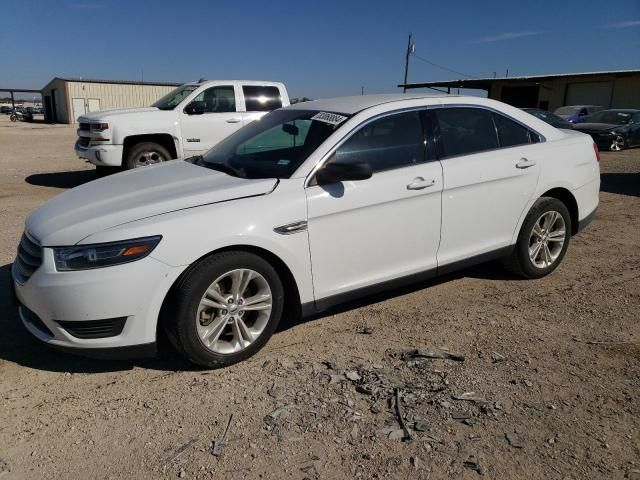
(613, 89)
(65, 99)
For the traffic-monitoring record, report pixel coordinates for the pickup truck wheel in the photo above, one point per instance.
(146, 153)
(225, 309)
(543, 239)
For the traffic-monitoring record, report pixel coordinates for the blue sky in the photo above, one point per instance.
(318, 48)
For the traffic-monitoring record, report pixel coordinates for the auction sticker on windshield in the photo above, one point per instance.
(330, 118)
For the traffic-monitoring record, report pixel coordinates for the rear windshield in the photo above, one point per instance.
(567, 110)
(273, 146)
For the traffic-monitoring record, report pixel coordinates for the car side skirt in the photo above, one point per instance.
(584, 223)
(311, 308)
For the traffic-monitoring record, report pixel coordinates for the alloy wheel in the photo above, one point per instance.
(617, 143)
(148, 158)
(234, 311)
(547, 238)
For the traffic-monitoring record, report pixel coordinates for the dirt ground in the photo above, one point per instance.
(554, 364)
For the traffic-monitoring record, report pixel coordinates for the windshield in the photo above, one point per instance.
(611, 116)
(172, 99)
(274, 146)
(567, 110)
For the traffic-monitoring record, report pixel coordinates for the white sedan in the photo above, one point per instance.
(312, 205)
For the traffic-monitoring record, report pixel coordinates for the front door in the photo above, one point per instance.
(200, 132)
(366, 232)
(490, 170)
(78, 108)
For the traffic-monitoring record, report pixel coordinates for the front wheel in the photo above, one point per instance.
(543, 239)
(13, 117)
(146, 153)
(618, 144)
(225, 309)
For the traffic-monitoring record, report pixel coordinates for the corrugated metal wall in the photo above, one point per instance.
(113, 95)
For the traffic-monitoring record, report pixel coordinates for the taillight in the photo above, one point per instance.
(597, 150)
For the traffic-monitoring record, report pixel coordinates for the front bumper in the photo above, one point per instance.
(49, 301)
(103, 155)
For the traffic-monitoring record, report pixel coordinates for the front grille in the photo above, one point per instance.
(84, 141)
(34, 320)
(29, 257)
(85, 126)
(109, 327)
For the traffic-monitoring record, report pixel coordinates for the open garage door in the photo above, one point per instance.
(589, 93)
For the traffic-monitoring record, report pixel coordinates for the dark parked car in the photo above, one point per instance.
(614, 130)
(6, 109)
(577, 113)
(551, 118)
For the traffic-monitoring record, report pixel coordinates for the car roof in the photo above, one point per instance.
(625, 110)
(355, 104)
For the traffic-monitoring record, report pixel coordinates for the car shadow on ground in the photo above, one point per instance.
(62, 179)
(17, 345)
(621, 183)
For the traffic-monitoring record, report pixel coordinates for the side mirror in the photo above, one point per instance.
(195, 108)
(335, 172)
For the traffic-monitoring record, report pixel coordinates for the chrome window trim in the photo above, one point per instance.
(352, 132)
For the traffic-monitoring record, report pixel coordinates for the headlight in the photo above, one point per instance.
(99, 127)
(84, 257)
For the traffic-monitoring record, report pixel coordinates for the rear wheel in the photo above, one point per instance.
(543, 239)
(146, 153)
(225, 309)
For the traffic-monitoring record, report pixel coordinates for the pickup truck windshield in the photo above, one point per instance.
(172, 99)
(274, 146)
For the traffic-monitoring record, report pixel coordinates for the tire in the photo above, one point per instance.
(145, 153)
(520, 261)
(13, 118)
(186, 325)
(618, 143)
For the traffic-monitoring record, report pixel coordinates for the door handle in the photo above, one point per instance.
(419, 183)
(234, 120)
(525, 163)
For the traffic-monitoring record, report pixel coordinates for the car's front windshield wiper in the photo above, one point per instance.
(219, 166)
(196, 159)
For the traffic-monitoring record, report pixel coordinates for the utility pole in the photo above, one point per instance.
(362, 90)
(410, 49)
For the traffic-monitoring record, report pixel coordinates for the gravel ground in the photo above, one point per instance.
(554, 364)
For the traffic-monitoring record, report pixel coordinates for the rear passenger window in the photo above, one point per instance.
(261, 99)
(465, 131)
(510, 133)
(391, 142)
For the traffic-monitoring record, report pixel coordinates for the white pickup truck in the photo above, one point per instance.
(186, 122)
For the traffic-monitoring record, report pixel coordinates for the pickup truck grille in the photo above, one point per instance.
(83, 141)
(29, 257)
(85, 126)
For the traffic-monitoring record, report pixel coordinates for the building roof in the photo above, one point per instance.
(355, 104)
(117, 82)
(485, 83)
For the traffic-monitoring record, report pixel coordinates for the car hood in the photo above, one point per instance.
(597, 127)
(101, 115)
(133, 195)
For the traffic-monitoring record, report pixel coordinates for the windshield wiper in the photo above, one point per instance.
(195, 159)
(219, 166)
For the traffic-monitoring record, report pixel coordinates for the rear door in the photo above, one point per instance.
(258, 100)
(362, 233)
(490, 168)
(221, 118)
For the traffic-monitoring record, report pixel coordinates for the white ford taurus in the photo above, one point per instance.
(310, 206)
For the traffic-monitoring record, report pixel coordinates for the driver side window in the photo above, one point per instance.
(220, 99)
(393, 141)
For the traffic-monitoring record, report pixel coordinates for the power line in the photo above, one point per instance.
(442, 67)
